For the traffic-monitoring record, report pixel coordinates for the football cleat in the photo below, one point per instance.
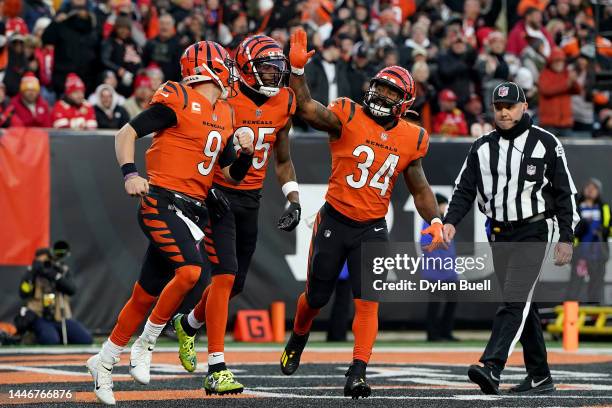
(222, 383)
(103, 380)
(290, 359)
(356, 386)
(187, 353)
(534, 385)
(140, 361)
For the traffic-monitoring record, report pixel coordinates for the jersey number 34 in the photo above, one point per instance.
(380, 180)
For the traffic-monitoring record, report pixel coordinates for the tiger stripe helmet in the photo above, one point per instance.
(397, 78)
(262, 65)
(208, 61)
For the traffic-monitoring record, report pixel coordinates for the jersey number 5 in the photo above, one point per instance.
(205, 167)
(258, 162)
(380, 180)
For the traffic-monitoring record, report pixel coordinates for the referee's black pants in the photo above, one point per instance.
(518, 254)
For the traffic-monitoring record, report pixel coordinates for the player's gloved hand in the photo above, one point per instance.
(217, 203)
(290, 218)
(436, 230)
(298, 54)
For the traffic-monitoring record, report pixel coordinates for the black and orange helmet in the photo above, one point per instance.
(396, 78)
(262, 65)
(208, 61)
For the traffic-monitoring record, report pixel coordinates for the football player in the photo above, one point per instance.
(371, 145)
(193, 129)
(263, 107)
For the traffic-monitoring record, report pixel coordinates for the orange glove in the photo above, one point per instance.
(436, 230)
(298, 56)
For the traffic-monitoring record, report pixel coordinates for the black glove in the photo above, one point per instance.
(217, 203)
(290, 218)
(49, 271)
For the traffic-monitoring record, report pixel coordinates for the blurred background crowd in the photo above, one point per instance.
(85, 64)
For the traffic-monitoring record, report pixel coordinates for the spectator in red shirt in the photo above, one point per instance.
(530, 26)
(72, 111)
(6, 108)
(557, 84)
(450, 121)
(31, 110)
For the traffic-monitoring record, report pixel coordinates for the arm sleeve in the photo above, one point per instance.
(153, 119)
(564, 193)
(228, 155)
(465, 190)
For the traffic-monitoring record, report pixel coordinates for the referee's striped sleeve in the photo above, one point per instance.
(464, 192)
(564, 195)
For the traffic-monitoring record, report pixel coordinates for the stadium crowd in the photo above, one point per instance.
(83, 64)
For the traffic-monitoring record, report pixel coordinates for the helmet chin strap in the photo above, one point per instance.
(379, 117)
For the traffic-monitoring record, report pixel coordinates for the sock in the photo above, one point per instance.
(110, 352)
(216, 362)
(151, 331)
(304, 315)
(173, 294)
(216, 311)
(199, 311)
(365, 329)
(189, 326)
(131, 316)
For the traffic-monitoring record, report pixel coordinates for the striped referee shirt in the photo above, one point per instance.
(515, 179)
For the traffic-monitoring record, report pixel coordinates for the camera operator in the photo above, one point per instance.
(46, 287)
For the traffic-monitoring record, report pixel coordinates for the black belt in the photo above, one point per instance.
(510, 225)
(189, 206)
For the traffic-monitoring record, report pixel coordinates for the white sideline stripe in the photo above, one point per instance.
(464, 397)
(604, 351)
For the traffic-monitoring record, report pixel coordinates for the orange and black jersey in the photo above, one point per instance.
(263, 121)
(367, 159)
(191, 137)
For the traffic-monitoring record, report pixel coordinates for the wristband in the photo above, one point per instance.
(297, 71)
(436, 220)
(128, 168)
(290, 187)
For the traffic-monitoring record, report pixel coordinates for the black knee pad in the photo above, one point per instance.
(316, 300)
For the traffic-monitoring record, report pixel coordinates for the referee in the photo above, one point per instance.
(518, 173)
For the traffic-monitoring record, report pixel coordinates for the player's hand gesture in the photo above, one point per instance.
(290, 218)
(298, 54)
(436, 230)
(137, 186)
(244, 140)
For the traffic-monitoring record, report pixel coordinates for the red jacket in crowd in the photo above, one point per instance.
(517, 38)
(67, 116)
(555, 105)
(39, 116)
(450, 123)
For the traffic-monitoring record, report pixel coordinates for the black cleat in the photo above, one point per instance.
(356, 386)
(290, 359)
(534, 385)
(487, 378)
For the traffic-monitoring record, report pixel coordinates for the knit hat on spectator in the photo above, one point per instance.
(73, 84)
(142, 81)
(556, 54)
(446, 95)
(29, 82)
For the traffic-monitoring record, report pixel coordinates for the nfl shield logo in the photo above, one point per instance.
(503, 91)
(327, 233)
(258, 112)
(531, 170)
(384, 136)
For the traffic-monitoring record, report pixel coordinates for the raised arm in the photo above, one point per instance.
(309, 110)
